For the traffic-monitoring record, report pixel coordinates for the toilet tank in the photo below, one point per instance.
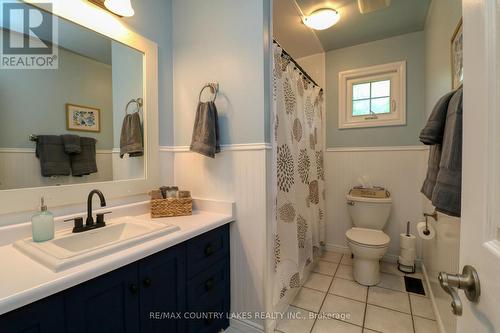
(370, 213)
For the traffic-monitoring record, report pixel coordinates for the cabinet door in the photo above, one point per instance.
(106, 304)
(45, 316)
(208, 299)
(163, 281)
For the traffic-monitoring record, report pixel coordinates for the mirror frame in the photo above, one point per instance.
(94, 18)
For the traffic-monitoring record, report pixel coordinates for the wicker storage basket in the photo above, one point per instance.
(171, 207)
(373, 192)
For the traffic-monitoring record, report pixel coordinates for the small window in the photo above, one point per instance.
(373, 96)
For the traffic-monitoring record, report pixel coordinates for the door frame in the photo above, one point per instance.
(481, 160)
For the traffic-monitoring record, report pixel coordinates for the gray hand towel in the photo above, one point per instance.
(433, 131)
(53, 160)
(71, 144)
(84, 163)
(131, 136)
(206, 136)
(446, 196)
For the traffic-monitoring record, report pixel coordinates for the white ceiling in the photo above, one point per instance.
(297, 39)
(403, 16)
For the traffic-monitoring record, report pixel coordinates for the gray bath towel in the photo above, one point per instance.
(434, 129)
(71, 144)
(432, 134)
(432, 171)
(53, 160)
(446, 196)
(131, 136)
(84, 163)
(206, 136)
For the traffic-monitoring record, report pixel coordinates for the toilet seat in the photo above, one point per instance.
(368, 237)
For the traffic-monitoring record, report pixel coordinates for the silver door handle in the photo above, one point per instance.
(468, 281)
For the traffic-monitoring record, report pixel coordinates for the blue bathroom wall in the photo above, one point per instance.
(153, 19)
(222, 40)
(409, 47)
(34, 101)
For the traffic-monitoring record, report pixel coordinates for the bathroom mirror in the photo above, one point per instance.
(128, 177)
(84, 93)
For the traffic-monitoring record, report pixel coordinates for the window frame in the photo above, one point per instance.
(396, 73)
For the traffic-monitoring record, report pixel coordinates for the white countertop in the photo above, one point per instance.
(23, 280)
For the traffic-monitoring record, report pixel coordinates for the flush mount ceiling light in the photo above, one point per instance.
(120, 7)
(322, 19)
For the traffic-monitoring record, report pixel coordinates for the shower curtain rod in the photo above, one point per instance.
(297, 66)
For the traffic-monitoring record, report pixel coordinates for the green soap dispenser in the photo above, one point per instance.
(42, 224)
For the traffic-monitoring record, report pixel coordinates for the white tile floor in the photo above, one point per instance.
(331, 301)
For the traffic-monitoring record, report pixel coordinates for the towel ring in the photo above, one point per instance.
(214, 88)
(139, 102)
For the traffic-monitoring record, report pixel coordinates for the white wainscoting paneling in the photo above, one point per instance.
(20, 168)
(442, 254)
(127, 167)
(401, 170)
(237, 175)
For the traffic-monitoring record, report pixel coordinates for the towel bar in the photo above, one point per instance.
(34, 138)
(214, 88)
(139, 102)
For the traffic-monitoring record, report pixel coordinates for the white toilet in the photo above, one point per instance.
(367, 241)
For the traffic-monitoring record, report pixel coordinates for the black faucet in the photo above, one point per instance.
(89, 224)
(90, 220)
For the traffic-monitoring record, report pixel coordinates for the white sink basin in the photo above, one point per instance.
(69, 249)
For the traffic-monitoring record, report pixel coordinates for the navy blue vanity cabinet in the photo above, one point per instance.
(208, 287)
(163, 282)
(206, 250)
(45, 316)
(106, 304)
(188, 280)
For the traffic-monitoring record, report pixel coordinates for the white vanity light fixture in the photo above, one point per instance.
(120, 7)
(322, 19)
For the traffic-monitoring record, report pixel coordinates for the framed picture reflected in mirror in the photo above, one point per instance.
(83, 118)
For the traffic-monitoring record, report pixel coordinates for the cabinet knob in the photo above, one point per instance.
(209, 284)
(209, 250)
(147, 282)
(133, 288)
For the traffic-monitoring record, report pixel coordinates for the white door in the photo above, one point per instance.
(480, 223)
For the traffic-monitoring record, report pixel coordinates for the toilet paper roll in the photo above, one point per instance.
(421, 229)
(407, 241)
(406, 262)
(408, 254)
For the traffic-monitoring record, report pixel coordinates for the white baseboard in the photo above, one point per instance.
(439, 320)
(392, 258)
(244, 326)
(337, 248)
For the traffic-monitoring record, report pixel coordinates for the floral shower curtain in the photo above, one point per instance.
(298, 149)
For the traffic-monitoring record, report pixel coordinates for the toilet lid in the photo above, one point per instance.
(368, 237)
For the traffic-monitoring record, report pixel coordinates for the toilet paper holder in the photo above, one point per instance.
(434, 215)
